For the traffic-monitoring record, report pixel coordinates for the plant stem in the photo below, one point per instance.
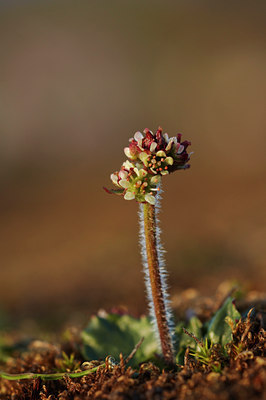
(156, 286)
(49, 377)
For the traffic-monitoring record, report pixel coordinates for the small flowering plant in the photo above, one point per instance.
(151, 156)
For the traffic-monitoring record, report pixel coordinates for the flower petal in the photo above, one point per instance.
(123, 174)
(124, 183)
(136, 170)
(114, 178)
(127, 152)
(138, 137)
(127, 164)
(129, 196)
(153, 147)
(150, 198)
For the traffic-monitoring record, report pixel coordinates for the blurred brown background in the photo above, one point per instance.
(77, 79)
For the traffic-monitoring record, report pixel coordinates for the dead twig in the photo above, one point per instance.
(248, 326)
(198, 341)
(133, 352)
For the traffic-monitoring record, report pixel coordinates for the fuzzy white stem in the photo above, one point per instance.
(163, 277)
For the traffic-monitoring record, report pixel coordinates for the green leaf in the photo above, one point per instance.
(115, 334)
(194, 326)
(218, 331)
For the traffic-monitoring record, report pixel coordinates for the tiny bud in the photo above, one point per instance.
(169, 160)
(142, 172)
(155, 179)
(166, 137)
(180, 149)
(168, 147)
(160, 153)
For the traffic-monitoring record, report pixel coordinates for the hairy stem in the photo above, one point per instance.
(155, 280)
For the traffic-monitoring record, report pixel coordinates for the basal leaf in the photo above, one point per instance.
(115, 334)
(218, 331)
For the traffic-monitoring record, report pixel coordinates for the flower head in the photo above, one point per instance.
(159, 153)
(150, 156)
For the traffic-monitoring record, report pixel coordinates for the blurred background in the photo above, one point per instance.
(77, 79)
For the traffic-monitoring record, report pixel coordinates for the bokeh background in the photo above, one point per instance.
(77, 79)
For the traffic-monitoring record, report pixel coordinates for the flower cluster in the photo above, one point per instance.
(150, 156)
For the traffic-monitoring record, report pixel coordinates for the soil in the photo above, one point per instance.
(243, 375)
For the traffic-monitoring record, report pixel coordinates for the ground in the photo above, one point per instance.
(242, 375)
